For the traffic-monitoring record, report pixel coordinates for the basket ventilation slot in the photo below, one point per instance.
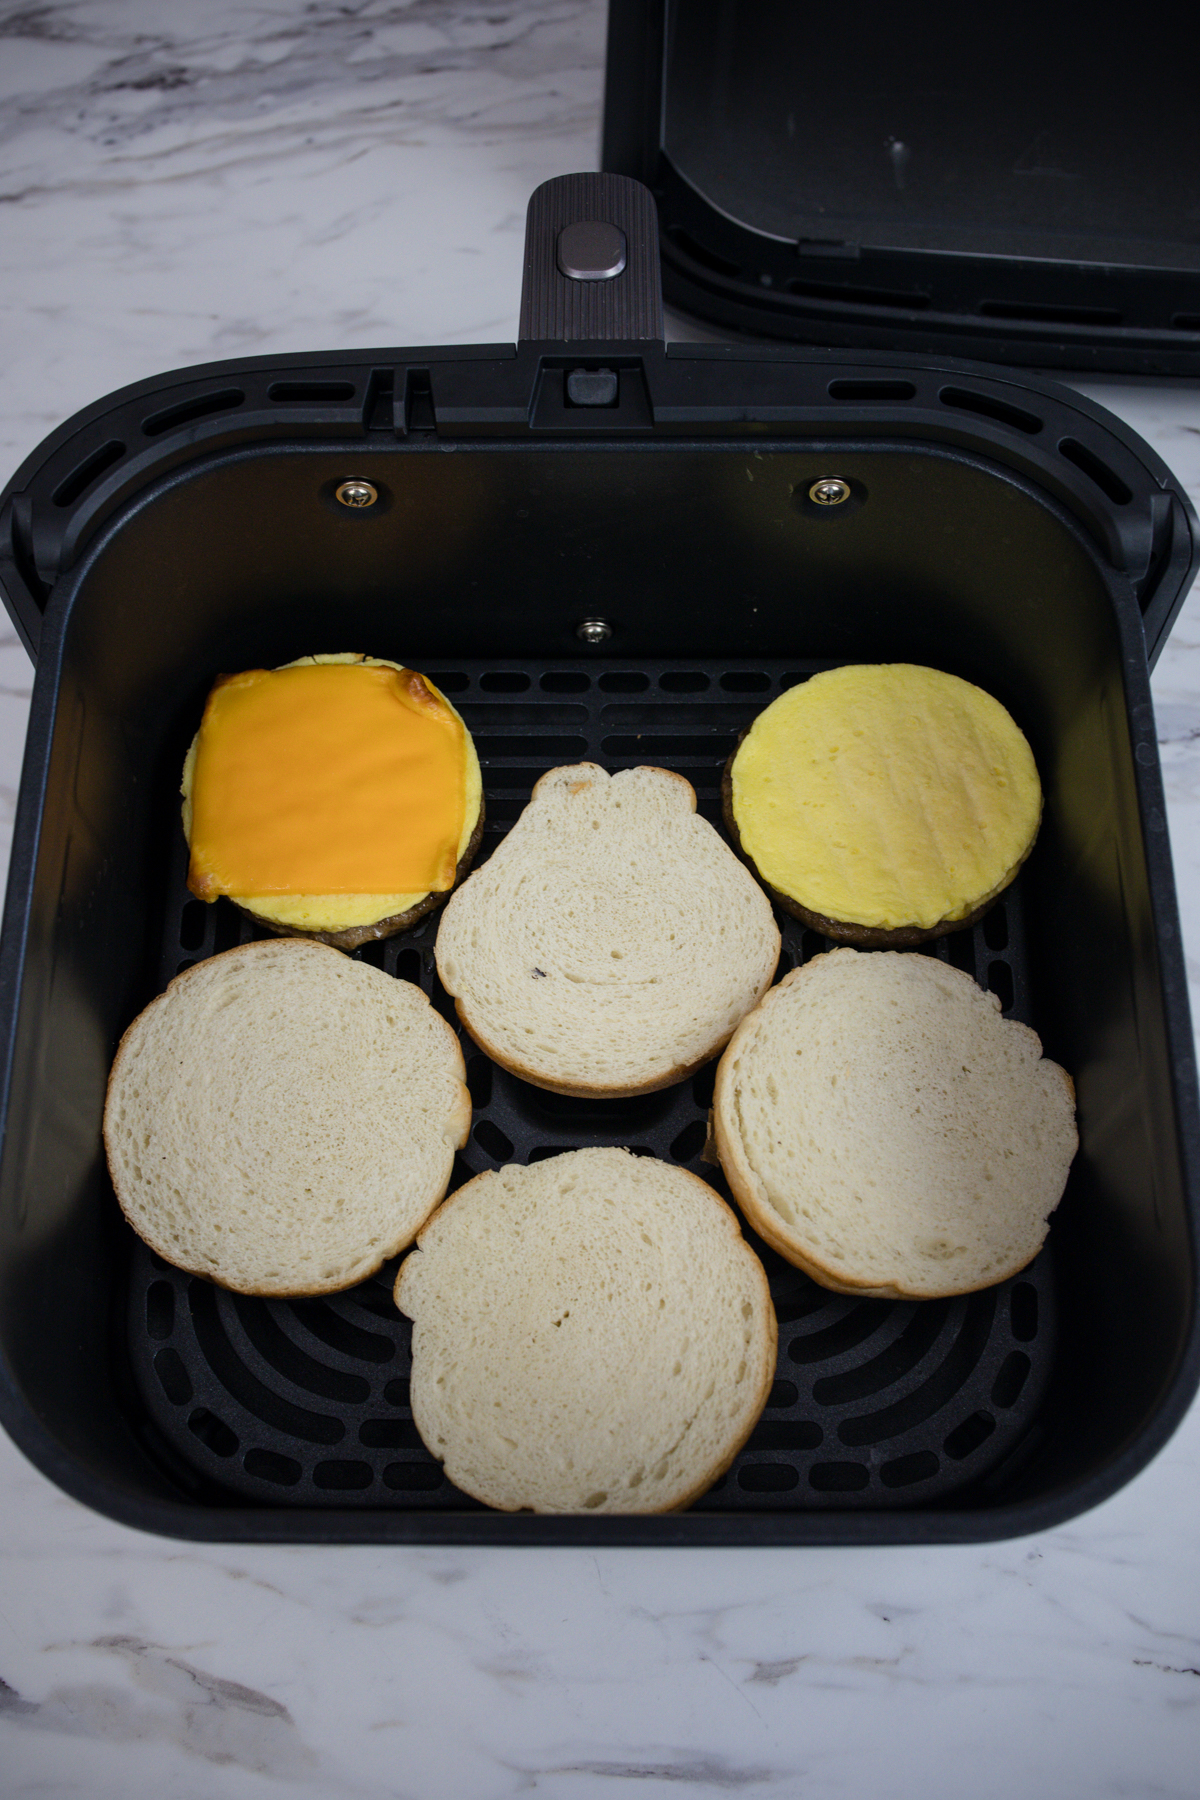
(989, 407)
(1106, 479)
(88, 471)
(866, 391)
(200, 406)
(310, 393)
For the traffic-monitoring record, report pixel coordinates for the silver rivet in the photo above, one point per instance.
(357, 493)
(594, 631)
(829, 492)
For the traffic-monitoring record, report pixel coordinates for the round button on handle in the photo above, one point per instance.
(591, 250)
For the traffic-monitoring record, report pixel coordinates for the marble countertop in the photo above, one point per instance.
(182, 184)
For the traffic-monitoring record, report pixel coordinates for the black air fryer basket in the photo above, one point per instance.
(602, 549)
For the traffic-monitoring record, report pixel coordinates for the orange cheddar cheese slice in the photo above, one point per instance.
(326, 778)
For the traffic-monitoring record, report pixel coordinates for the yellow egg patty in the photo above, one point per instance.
(887, 796)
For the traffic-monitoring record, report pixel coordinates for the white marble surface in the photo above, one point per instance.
(181, 182)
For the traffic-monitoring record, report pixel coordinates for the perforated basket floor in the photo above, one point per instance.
(875, 1403)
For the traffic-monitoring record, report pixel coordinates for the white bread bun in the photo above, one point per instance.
(887, 1131)
(613, 940)
(282, 1120)
(591, 1334)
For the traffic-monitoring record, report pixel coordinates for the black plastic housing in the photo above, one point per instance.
(998, 185)
(1002, 529)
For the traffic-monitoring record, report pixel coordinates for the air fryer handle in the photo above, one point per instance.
(591, 285)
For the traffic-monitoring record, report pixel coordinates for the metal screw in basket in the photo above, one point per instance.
(594, 631)
(357, 493)
(829, 492)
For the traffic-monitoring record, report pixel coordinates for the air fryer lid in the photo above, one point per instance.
(1020, 178)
